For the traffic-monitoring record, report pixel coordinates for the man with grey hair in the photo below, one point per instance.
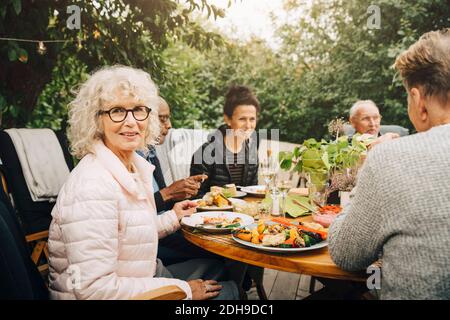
(365, 118)
(166, 196)
(173, 248)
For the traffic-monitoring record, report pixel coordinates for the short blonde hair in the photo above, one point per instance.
(427, 64)
(101, 87)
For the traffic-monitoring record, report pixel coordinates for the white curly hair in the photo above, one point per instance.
(85, 127)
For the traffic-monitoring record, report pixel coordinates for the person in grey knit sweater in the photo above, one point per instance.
(400, 209)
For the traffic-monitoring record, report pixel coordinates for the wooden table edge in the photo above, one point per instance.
(289, 266)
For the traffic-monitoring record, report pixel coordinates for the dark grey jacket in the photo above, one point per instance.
(209, 159)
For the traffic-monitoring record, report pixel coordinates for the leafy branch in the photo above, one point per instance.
(324, 159)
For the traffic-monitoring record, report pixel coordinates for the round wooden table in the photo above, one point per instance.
(316, 263)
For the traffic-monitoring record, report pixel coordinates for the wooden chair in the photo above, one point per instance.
(37, 241)
(39, 255)
(34, 217)
(20, 277)
(163, 293)
(3, 181)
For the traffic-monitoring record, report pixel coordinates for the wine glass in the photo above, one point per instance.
(284, 186)
(267, 173)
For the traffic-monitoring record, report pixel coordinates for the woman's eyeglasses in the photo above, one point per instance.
(119, 114)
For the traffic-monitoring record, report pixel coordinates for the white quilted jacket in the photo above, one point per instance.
(104, 234)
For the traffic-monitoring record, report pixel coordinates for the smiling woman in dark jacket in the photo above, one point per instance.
(230, 155)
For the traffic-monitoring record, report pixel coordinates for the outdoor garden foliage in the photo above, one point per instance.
(327, 59)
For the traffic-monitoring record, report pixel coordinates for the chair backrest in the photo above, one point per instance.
(394, 129)
(349, 130)
(176, 153)
(19, 276)
(35, 216)
(3, 184)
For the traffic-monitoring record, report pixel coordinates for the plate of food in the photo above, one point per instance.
(215, 200)
(239, 194)
(218, 204)
(325, 215)
(255, 191)
(229, 191)
(278, 235)
(217, 221)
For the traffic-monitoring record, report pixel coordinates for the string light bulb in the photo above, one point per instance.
(42, 49)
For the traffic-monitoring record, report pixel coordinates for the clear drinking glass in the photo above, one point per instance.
(283, 187)
(267, 174)
(318, 193)
(264, 210)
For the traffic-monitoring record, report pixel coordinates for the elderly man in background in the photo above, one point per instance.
(166, 196)
(365, 118)
(173, 248)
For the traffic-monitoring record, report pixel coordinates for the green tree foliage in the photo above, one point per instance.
(328, 59)
(129, 32)
(345, 60)
(204, 78)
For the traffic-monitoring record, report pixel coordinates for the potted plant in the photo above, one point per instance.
(329, 165)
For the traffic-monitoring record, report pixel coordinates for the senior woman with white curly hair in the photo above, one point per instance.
(104, 234)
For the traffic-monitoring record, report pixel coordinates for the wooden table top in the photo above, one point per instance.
(315, 262)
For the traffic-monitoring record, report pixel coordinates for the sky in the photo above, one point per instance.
(247, 17)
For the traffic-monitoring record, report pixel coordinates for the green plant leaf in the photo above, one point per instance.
(285, 155)
(2, 12)
(286, 164)
(22, 55)
(17, 4)
(343, 142)
(12, 55)
(298, 167)
(2, 103)
(325, 160)
(311, 143)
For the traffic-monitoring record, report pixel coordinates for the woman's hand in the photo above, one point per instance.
(202, 290)
(185, 208)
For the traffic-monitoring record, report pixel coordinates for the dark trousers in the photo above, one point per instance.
(175, 249)
(205, 269)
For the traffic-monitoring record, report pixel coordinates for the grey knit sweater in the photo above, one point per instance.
(400, 211)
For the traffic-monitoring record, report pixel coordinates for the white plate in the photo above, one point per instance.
(240, 194)
(196, 219)
(214, 208)
(253, 191)
(275, 249)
